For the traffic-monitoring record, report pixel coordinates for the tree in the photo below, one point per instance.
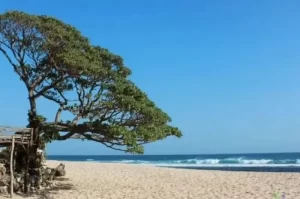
(56, 62)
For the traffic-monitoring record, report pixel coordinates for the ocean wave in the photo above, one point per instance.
(226, 161)
(196, 161)
(134, 162)
(241, 160)
(227, 165)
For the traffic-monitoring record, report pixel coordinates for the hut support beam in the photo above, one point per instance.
(26, 169)
(12, 166)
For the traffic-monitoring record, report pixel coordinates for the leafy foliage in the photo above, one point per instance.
(56, 62)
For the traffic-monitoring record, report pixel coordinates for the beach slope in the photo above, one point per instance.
(121, 181)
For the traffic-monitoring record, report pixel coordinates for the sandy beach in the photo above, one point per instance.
(121, 181)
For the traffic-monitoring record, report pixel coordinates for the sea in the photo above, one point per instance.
(256, 162)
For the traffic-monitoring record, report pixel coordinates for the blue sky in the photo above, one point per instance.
(227, 72)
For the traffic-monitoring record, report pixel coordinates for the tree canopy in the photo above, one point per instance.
(56, 62)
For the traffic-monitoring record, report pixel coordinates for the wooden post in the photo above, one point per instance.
(12, 166)
(26, 169)
(31, 137)
(28, 152)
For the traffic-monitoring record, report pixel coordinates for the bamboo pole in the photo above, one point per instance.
(12, 167)
(26, 169)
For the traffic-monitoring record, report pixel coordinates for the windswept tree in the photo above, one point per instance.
(56, 62)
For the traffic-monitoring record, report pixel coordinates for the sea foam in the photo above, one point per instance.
(235, 162)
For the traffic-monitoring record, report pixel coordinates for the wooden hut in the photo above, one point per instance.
(11, 136)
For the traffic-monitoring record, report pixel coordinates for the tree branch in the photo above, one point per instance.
(52, 99)
(52, 85)
(15, 67)
(58, 114)
(109, 145)
(65, 137)
(76, 119)
(39, 80)
(18, 57)
(9, 59)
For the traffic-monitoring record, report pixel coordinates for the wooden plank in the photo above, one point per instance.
(16, 142)
(17, 139)
(11, 167)
(9, 137)
(13, 129)
(27, 132)
(10, 141)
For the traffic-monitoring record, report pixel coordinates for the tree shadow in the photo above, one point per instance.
(2, 195)
(49, 193)
(61, 179)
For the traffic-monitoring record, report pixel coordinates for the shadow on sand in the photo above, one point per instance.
(47, 193)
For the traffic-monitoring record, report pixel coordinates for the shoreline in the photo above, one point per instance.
(126, 181)
(272, 168)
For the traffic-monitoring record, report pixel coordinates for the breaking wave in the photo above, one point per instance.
(241, 161)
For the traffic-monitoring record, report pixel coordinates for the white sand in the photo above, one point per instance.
(119, 181)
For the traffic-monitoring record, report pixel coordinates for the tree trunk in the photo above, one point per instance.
(31, 163)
